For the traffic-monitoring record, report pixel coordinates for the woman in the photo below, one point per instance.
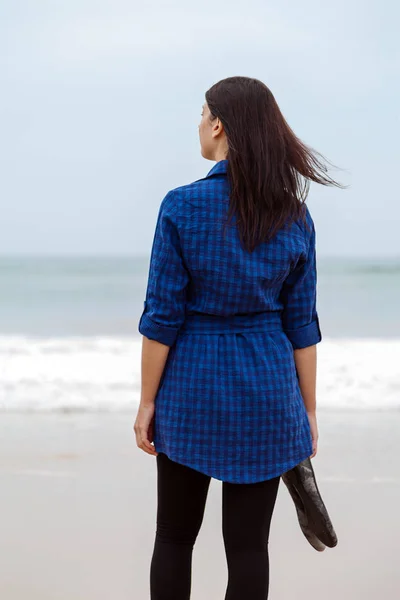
(230, 330)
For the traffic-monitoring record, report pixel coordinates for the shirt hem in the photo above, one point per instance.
(255, 479)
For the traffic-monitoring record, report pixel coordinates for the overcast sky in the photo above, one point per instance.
(101, 101)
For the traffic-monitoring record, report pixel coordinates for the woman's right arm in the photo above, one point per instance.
(306, 365)
(301, 325)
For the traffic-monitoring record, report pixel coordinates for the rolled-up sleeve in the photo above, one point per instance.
(164, 306)
(299, 296)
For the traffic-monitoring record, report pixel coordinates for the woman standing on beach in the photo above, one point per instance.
(230, 329)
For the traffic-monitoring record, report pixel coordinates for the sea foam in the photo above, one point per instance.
(89, 374)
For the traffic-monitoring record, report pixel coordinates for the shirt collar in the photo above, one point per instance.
(219, 167)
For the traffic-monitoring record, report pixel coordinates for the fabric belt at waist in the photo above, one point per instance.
(207, 323)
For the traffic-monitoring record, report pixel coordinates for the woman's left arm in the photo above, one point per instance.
(162, 317)
(154, 357)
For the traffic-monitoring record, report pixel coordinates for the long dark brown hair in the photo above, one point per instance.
(269, 167)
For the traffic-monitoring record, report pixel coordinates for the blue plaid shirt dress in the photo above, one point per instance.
(229, 403)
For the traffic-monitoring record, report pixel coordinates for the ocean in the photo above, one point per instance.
(69, 339)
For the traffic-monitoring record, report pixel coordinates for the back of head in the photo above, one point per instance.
(269, 167)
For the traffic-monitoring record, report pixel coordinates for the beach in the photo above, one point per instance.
(121, 125)
(78, 498)
(78, 505)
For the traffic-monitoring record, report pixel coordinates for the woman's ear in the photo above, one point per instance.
(217, 128)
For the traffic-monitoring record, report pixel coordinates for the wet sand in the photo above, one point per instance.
(78, 504)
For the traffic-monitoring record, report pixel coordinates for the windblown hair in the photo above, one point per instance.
(269, 167)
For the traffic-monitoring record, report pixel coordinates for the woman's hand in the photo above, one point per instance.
(312, 418)
(144, 428)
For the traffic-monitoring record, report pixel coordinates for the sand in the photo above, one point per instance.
(78, 503)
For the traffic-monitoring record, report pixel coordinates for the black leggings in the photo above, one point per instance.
(246, 517)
